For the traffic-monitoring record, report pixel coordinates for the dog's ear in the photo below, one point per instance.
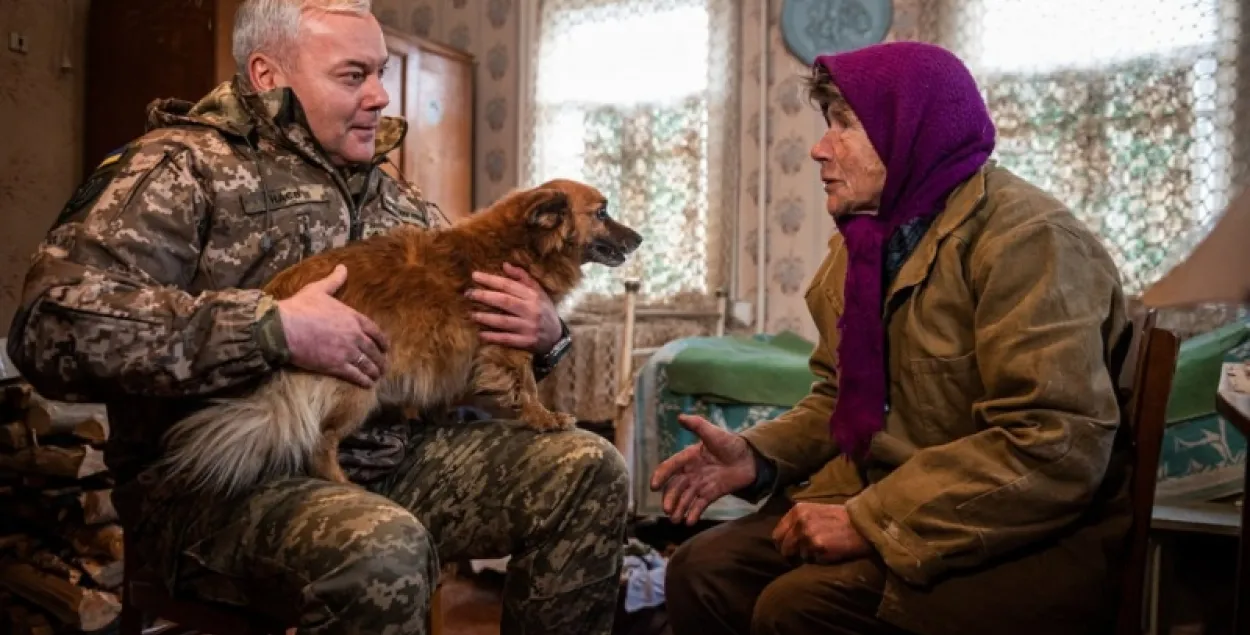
(545, 208)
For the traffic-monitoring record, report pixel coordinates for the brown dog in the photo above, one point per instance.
(411, 283)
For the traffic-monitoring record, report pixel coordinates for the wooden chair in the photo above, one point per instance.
(1147, 375)
(144, 595)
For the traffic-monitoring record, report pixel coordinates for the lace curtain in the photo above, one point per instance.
(638, 97)
(1125, 110)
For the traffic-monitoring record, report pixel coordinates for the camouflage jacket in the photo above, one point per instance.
(145, 293)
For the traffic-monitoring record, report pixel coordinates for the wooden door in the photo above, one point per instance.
(399, 79)
(431, 86)
(443, 129)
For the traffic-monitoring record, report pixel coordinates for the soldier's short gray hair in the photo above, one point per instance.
(273, 25)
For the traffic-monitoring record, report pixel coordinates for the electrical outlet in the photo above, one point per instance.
(18, 43)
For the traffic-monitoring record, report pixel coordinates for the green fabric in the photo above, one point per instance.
(763, 370)
(1198, 368)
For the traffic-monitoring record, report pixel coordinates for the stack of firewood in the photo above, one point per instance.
(60, 544)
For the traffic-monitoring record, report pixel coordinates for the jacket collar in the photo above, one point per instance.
(961, 204)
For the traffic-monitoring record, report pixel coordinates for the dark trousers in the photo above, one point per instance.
(731, 579)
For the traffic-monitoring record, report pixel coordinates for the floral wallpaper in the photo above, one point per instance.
(41, 128)
(488, 29)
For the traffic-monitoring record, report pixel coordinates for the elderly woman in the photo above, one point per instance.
(955, 467)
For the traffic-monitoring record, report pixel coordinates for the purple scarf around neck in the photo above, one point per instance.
(927, 121)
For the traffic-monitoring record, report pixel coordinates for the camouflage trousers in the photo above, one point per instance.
(344, 559)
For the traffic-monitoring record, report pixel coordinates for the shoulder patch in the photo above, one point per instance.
(91, 187)
(111, 158)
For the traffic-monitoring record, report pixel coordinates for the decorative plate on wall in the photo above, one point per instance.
(816, 27)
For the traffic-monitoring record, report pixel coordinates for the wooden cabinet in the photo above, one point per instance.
(141, 50)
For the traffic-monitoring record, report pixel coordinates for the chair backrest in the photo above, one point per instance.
(1147, 376)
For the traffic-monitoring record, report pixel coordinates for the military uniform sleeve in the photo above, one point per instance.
(798, 443)
(1047, 419)
(103, 309)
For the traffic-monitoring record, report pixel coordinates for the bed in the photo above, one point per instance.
(650, 399)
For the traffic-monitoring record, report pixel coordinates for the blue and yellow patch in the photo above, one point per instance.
(112, 157)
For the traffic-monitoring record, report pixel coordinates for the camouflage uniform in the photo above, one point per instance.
(145, 296)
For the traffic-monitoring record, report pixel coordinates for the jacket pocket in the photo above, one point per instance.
(943, 391)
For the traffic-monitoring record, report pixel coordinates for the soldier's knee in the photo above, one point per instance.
(596, 460)
(384, 575)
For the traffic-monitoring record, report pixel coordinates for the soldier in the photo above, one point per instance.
(145, 296)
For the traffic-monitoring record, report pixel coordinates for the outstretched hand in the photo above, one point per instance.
(527, 317)
(720, 463)
(326, 336)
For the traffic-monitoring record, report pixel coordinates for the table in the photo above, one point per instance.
(1235, 407)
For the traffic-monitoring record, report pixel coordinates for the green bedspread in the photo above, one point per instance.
(760, 370)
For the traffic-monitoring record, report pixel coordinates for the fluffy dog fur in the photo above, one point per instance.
(411, 283)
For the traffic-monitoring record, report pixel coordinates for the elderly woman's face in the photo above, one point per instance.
(853, 174)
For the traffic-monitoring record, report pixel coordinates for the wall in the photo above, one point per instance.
(488, 30)
(40, 129)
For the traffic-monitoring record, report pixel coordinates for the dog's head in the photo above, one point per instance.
(567, 215)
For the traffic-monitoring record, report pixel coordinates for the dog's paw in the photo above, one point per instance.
(544, 421)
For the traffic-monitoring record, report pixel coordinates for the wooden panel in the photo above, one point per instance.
(397, 82)
(443, 127)
(224, 27)
(133, 47)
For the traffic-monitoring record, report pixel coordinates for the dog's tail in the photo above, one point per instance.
(236, 444)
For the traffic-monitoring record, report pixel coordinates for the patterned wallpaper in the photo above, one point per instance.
(41, 128)
(488, 30)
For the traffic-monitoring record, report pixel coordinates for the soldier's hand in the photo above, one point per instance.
(720, 463)
(329, 337)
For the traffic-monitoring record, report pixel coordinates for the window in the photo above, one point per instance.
(1120, 108)
(633, 97)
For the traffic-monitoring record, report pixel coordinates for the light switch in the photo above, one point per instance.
(17, 42)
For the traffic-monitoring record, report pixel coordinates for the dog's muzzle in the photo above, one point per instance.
(613, 249)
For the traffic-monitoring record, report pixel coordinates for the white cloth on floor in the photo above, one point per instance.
(643, 574)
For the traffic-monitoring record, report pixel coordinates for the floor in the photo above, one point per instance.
(471, 606)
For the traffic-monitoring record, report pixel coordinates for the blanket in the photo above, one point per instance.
(759, 370)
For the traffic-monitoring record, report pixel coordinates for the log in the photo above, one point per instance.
(106, 575)
(14, 436)
(16, 396)
(21, 546)
(88, 422)
(105, 541)
(97, 507)
(73, 505)
(22, 621)
(51, 563)
(84, 609)
(72, 463)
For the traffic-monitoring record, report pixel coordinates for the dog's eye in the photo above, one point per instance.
(602, 214)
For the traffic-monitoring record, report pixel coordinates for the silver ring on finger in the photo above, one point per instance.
(359, 360)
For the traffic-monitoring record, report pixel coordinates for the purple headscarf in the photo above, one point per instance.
(927, 121)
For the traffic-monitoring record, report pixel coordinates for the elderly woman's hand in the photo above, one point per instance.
(720, 463)
(819, 533)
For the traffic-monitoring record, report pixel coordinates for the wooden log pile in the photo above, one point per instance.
(60, 544)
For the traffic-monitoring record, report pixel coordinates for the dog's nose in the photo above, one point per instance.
(632, 239)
